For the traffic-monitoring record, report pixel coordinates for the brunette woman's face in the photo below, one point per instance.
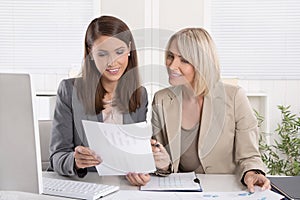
(180, 71)
(110, 55)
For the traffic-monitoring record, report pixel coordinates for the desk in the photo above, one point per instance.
(209, 182)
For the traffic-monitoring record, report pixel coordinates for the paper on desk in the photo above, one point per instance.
(123, 148)
(174, 182)
(137, 195)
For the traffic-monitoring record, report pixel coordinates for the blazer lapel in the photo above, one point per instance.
(172, 110)
(213, 119)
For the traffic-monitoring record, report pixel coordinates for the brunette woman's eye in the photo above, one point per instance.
(120, 51)
(102, 53)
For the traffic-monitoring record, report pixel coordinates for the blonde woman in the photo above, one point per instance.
(201, 124)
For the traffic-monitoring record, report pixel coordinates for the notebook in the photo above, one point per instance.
(287, 186)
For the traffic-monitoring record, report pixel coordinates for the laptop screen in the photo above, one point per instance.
(20, 168)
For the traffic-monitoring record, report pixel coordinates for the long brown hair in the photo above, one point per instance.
(90, 90)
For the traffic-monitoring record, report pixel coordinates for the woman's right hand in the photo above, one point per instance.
(85, 157)
(161, 156)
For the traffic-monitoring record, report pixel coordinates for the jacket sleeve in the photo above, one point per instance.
(62, 145)
(247, 155)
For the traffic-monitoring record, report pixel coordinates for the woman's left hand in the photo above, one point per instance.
(138, 179)
(251, 178)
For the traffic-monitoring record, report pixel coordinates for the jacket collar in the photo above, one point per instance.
(213, 119)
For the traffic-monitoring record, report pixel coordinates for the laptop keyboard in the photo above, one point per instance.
(76, 189)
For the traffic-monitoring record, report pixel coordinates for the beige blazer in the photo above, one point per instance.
(228, 138)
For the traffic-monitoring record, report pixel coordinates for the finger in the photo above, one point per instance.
(251, 187)
(250, 184)
(249, 180)
(84, 150)
(161, 155)
(86, 163)
(85, 157)
(266, 185)
(145, 177)
(158, 155)
(131, 178)
(138, 180)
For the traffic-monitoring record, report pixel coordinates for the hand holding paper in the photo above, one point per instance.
(123, 148)
(138, 179)
(85, 157)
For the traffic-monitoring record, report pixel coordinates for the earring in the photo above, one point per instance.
(128, 54)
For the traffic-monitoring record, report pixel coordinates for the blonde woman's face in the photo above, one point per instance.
(110, 55)
(180, 71)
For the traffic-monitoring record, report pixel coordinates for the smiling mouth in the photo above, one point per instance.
(113, 71)
(174, 75)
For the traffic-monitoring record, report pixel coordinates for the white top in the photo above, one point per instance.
(111, 114)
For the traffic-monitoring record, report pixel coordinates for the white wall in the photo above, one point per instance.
(279, 92)
(172, 15)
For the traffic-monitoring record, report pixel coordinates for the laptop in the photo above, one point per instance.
(20, 158)
(287, 186)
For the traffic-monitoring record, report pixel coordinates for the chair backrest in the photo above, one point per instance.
(45, 136)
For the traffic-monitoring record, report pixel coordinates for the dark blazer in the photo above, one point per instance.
(67, 129)
(228, 135)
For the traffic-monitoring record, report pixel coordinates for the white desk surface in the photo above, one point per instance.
(209, 183)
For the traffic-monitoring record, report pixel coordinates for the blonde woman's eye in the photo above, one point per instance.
(170, 56)
(184, 61)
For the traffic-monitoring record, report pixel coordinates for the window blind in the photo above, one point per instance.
(257, 39)
(43, 36)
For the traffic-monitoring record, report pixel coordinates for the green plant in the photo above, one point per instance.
(282, 156)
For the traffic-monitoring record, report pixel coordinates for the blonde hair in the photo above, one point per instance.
(197, 47)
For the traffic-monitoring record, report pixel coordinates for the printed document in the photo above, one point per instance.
(238, 195)
(174, 182)
(123, 148)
